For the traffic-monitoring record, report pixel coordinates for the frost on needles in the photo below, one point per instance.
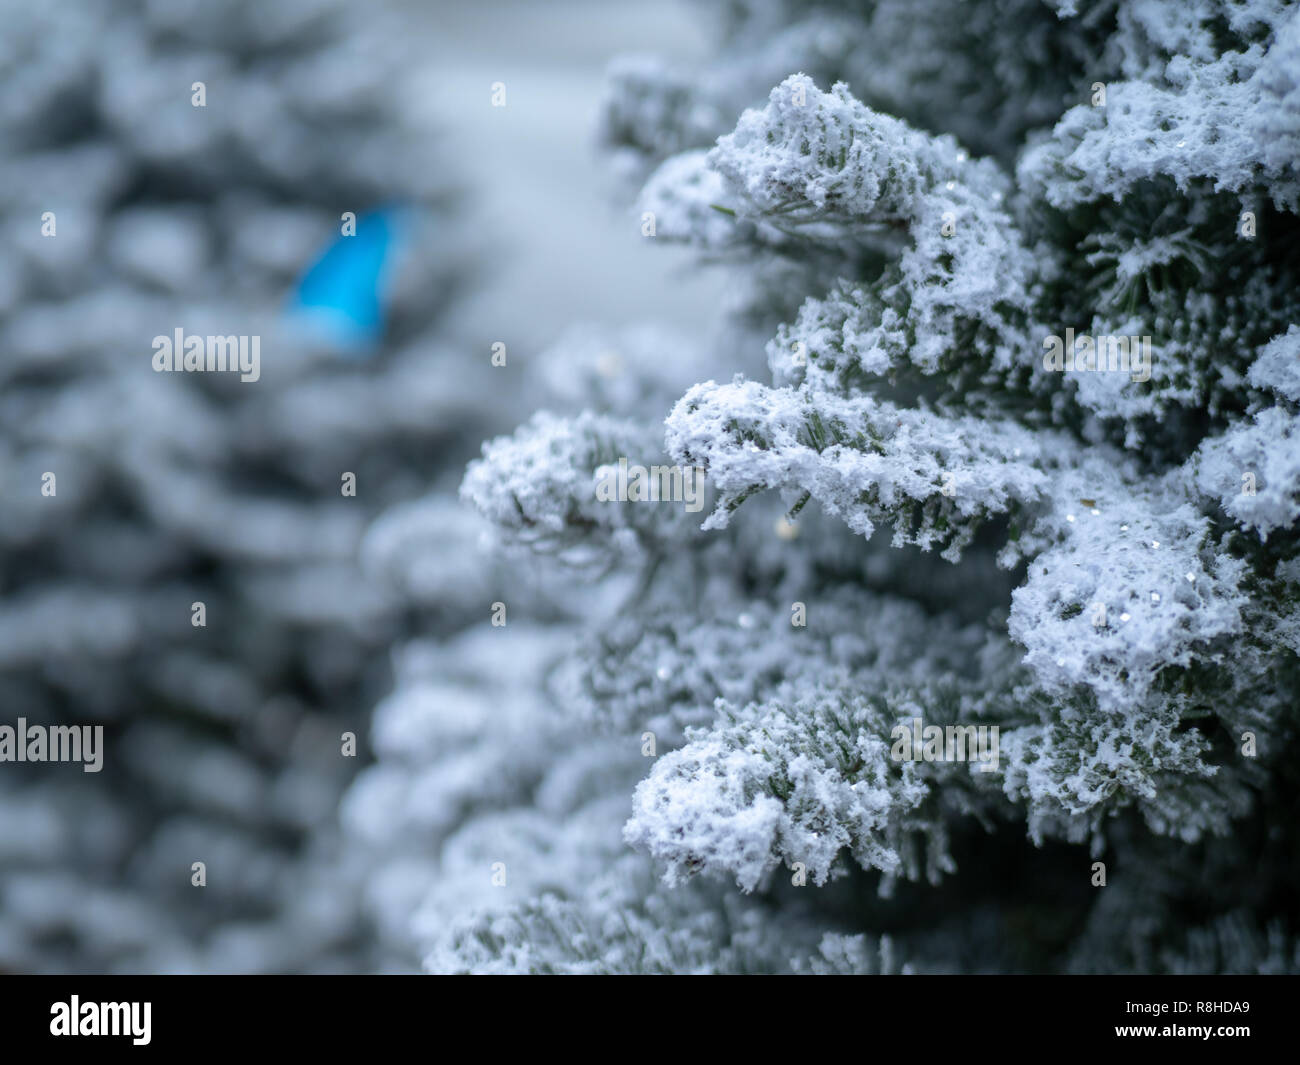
(915, 200)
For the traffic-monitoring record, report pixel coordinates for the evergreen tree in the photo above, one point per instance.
(170, 165)
(951, 498)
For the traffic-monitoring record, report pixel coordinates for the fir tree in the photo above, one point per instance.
(937, 502)
(193, 158)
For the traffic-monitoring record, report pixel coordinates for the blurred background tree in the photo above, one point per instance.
(224, 742)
